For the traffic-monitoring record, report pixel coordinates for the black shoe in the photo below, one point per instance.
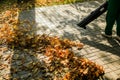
(105, 35)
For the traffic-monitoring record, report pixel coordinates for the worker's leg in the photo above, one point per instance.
(111, 16)
(118, 25)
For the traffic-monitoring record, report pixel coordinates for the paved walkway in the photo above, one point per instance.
(61, 20)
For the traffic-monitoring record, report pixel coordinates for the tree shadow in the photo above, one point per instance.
(25, 64)
(103, 47)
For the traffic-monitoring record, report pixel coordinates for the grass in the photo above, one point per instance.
(56, 2)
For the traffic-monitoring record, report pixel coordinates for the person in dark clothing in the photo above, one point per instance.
(113, 15)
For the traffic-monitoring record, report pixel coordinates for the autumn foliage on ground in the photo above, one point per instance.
(61, 62)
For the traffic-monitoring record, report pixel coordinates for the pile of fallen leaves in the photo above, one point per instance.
(61, 61)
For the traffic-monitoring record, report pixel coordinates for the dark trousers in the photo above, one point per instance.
(113, 15)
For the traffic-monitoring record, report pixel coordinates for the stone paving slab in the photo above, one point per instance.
(61, 21)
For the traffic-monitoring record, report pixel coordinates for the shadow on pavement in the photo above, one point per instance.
(24, 63)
